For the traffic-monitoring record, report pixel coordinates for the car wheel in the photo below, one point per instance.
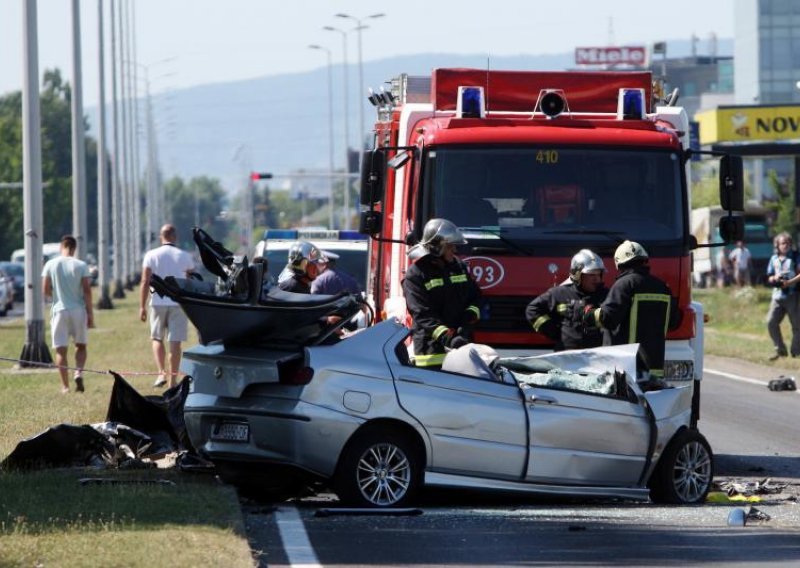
(380, 468)
(685, 472)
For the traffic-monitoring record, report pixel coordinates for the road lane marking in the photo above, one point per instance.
(738, 378)
(295, 539)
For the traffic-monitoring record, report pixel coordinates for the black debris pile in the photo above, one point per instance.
(782, 383)
(137, 431)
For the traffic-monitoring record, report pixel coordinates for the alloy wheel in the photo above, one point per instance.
(692, 471)
(383, 474)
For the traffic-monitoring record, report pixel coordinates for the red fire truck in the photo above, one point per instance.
(533, 166)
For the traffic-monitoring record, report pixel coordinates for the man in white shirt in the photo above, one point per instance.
(740, 257)
(167, 319)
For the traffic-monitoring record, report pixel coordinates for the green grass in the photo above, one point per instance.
(48, 519)
(738, 328)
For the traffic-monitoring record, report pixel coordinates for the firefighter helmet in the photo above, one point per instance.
(629, 251)
(437, 233)
(301, 253)
(583, 262)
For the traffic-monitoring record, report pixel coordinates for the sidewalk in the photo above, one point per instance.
(746, 368)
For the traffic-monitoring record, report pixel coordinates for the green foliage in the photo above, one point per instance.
(196, 203)
(784, 207)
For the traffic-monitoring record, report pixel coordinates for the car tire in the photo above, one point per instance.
(379, 468)
(685, 471)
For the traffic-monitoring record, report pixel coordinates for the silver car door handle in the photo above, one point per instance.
(544, 398)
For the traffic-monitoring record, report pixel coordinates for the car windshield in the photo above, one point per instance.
(517, 198)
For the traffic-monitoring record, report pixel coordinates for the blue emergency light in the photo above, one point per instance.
(281, 234)
(470, 103)
(630, 104)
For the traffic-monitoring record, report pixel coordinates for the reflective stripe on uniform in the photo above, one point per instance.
(439, 331)
(429, 360)
(658, 373)
(540, 321)
(635, 312)
(458, 278)
(596, 315)
(561, 309)
(434, 283)
(475, 310)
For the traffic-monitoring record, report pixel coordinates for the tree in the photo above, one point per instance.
(784, 206)
(198, 202)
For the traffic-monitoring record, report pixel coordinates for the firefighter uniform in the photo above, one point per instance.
(443, 300)
(639, 309)
(558, 314)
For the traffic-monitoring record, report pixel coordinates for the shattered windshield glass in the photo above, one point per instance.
(536, 194)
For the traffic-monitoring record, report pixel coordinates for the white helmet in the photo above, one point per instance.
(583, 262)
(627, 252)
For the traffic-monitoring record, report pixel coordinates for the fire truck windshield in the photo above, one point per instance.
(545, 195)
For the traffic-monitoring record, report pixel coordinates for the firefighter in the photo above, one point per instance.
(305, 263)
(638, 309)
(441, 295)
(558, 313)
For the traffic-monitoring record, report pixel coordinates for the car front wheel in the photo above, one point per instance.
(685, 472)
(380, 468)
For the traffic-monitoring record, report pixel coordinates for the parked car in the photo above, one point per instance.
(16, 271)
(358, 417)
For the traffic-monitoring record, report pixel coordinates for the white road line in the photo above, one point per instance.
(738, 378)
(295, 539)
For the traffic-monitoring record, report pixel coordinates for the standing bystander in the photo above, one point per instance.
(782, 276)
(740, 257)
(165, 314)
(67, 280)
(334, 280)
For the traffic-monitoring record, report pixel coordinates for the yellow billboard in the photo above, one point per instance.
(749, 124)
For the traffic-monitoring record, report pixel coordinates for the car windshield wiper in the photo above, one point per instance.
(613, 235)
(510, 244)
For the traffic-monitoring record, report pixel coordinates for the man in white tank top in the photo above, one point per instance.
(167, 320)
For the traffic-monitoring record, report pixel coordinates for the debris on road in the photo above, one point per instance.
(782, 383)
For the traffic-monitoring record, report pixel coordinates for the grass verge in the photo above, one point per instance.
(48, 519)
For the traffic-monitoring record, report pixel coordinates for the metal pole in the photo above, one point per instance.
(330, 132)
(35, 348)
(127, 202)
(346, 192)
(136, 257)
(104, 301)
(116, 180)
(78, 140)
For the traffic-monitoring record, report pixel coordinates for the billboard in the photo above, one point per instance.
(635, 55)
(749, 124)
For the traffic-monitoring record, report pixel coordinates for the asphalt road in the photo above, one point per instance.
(752, 430)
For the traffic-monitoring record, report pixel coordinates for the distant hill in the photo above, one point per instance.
(281, 121)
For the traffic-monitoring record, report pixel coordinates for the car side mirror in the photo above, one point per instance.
(731, 183)
(731, 229)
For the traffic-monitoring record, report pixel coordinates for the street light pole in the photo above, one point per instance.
(103, 210)
(346, 123)
(78, 140)
(360, 26)
(330, 132)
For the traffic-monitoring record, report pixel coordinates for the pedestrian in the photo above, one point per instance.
(558, 313)
(440, 294)
(67, 280)
(740, 258)
(782, 276)
(333, 279)
(167, 319)
(638, 309)
(724, 268)
(305, 263)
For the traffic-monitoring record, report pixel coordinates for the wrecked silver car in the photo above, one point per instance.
(358, 417)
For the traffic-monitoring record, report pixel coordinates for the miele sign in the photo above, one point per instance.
(630, 55)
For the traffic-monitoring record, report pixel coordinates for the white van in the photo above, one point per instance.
(49, 250)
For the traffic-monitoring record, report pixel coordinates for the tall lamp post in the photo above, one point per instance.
(330, 132)
(346, 124)
(360, 26)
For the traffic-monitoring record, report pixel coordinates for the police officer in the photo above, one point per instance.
(305, 264)
(441, 296)
(638, 309)
(558, 313)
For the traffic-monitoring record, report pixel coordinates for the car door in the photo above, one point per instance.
(585, 439)
(476, 426)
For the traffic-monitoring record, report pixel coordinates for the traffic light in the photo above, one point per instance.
(255, 176)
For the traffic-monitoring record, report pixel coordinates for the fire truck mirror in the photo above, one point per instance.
(373, 165)
(731, 229)
(370, 223)
(731, 185)
(411, 239)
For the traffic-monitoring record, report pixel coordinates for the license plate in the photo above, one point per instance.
(231, 432)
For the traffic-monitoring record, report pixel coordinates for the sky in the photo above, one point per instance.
(191, 42)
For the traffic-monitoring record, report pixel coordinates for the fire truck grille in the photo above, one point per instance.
(505, 313)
